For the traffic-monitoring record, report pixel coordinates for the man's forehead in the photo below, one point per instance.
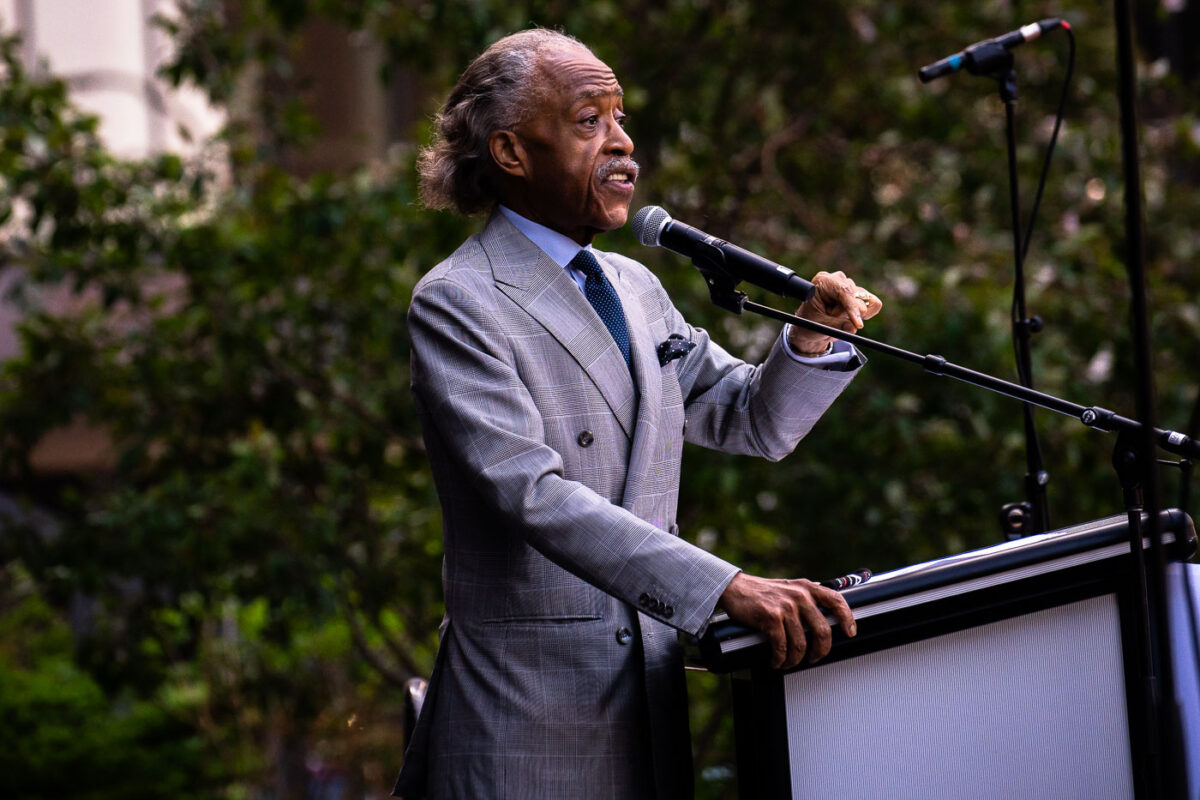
(579, 75)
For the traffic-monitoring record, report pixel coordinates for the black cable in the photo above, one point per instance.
(1019, 282)
(1062, 104)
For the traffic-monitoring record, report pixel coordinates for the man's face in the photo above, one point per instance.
(577, 176)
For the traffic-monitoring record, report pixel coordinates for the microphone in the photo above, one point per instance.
(973, 55)
(846, 581)
(654, 227)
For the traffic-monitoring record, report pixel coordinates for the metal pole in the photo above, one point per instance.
(1165, 778)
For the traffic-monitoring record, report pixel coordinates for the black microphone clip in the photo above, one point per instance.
(709, 259)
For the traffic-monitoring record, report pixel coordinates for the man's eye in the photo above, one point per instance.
(592, 121)
(622, 120)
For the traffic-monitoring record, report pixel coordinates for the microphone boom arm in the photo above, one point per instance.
(1092, 416)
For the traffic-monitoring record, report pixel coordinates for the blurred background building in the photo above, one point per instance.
(109, 54)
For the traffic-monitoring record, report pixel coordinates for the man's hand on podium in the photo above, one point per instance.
(782, 609)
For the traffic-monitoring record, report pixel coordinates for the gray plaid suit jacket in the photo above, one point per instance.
(559, 673)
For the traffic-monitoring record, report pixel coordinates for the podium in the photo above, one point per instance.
(1004, 672)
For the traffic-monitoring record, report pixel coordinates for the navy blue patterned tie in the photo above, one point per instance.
(603, 297)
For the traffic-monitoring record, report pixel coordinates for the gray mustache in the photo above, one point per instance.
(619, 165)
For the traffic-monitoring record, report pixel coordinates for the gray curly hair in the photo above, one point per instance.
(495, 93)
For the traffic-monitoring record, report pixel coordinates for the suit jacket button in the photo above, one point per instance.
(668, 612)
(624, 635)
(644, 600)
(585, 438)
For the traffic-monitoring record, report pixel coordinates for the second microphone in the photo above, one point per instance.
(654, 227)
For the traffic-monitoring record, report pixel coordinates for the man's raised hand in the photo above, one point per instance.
(836, 301)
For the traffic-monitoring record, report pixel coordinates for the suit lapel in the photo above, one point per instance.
(649, 384)
(543, 288)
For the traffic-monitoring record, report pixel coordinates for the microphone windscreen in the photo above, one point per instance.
(648, 224)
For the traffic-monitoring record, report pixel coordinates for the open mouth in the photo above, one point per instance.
(621, 173)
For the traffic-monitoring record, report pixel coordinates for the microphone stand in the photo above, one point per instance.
(993, 60)
(1134, 467)
(1164, 744)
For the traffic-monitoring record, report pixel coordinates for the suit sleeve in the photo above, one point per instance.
(464, 376)
(735, 407)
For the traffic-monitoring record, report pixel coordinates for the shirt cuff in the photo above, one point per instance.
(839, 354)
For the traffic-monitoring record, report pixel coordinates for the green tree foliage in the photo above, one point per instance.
(58, 724)
(253, 546)
(260, 564)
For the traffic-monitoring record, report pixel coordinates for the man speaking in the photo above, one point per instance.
(556, 385)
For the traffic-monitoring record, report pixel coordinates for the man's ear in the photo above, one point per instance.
(508, 153)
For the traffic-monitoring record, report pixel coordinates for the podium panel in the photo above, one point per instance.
(1004, 672)
(1001, 710)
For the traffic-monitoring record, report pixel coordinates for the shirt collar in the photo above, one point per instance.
(560, 248)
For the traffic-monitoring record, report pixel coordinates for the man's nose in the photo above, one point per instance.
(619, 142)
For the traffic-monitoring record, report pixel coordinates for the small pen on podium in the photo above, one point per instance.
(846, 581)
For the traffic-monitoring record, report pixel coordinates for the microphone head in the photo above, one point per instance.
(648, 224)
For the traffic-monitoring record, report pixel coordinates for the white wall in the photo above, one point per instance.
(108, 51)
